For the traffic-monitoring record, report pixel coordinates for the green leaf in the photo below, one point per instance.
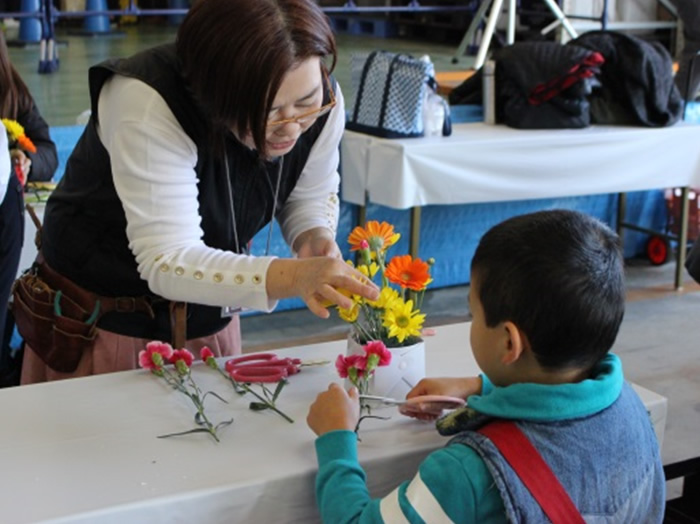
(223, 424)
(258, 406)
(215, 395)
(196, 430)
(278, 390)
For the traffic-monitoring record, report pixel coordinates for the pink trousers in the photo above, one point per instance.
(112, 352)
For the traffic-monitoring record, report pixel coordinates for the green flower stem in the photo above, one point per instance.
(199, 404)
(419, 301)
(365, 333)
(381, 262)
(177, 382)
(269, 403)
(362, 385)
(242, 388)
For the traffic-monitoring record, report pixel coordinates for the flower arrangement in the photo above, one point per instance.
(18, 140)
(395, 317)
(155, 357)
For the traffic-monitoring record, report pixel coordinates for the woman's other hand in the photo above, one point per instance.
(25, 164)
(318, 281)
(317, 242)
(334, 409)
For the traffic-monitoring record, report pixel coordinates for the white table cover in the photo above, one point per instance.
(487, 163)
(85, 450)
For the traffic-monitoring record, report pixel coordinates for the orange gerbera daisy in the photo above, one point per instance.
(408, 272)
(26, 143)
(378, 236)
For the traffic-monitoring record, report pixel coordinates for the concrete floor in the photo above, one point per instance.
(660, 338)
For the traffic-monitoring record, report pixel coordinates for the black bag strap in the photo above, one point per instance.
(361, 88)
(387, 88)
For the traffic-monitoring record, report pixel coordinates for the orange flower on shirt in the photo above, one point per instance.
(378, 236)
(25, 143)
(408, 272)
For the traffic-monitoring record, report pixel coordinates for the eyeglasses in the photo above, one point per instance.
(305, 118)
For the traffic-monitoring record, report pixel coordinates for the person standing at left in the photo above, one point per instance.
(16, 103)
(11, 236)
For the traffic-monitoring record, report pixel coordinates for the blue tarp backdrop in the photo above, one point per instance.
(450, 234)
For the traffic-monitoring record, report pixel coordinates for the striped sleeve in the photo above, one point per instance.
(451, 485)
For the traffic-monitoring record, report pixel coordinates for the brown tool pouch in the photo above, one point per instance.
(56, 328)
(58, 318)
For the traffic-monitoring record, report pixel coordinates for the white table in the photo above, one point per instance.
(85, 450)
(487, 163)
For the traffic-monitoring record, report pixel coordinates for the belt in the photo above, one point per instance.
(87, 299)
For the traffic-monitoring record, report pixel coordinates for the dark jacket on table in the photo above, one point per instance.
(637, 86)
(45, 160)
(692, 263)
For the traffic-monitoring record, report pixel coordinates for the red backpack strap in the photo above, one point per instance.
(533, 471)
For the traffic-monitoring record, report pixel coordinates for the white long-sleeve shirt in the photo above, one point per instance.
(5, 163)
(153, 161)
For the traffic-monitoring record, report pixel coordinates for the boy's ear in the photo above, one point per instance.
(515, 344)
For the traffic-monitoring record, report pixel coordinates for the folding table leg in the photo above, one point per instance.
(682, 239)
(414, 241)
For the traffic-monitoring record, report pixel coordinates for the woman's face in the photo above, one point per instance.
(300, 93)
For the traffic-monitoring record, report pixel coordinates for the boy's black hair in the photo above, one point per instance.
(558, 276)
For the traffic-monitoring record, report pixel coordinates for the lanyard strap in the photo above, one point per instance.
(533, 471)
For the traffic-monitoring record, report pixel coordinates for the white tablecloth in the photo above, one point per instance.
(85, 450)
(485, 163)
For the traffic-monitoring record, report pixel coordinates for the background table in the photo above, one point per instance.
(485, 163)
(85, 450)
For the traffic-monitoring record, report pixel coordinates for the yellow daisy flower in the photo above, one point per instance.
(370, 271)
(387, 297)
(349, 315)
(402, 321)
(14, 128)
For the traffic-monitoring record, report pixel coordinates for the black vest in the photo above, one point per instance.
(84, 234)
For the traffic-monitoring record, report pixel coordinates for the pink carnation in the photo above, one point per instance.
(378, 348)
(156, 347)
(206, 353)
(184, 355)
(343, 364)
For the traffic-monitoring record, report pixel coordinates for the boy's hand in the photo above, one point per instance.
(333, 410)
(451, 387)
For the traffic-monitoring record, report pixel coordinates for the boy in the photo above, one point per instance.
(547, 299)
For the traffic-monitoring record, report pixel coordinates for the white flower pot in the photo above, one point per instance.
(398, 378)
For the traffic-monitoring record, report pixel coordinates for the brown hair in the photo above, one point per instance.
(235, 54)
(15, 98)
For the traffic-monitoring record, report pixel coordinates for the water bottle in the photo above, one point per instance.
(433, 106)
(489, 92)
